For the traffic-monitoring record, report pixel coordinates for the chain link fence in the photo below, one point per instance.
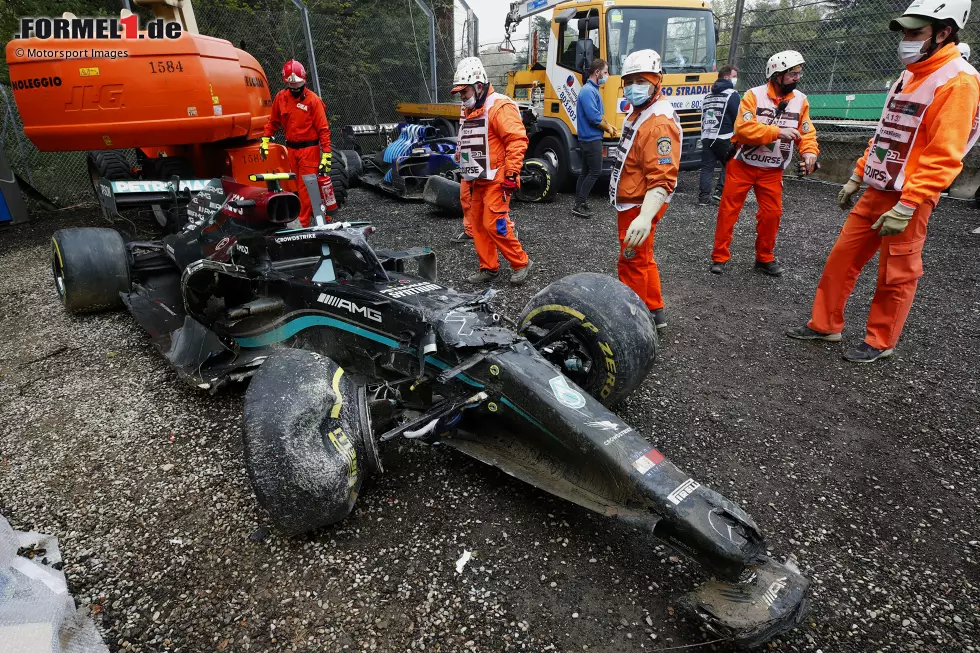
(851, 60)
(371, 56)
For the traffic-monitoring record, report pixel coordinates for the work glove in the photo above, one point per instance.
(509, 185)
(264, 147)
(326, 158)
(844, 197)
(895, 220)
(642, 224)
(609, 129)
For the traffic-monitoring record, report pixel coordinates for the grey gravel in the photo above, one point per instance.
(869, 474)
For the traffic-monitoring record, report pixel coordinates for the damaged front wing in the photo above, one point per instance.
(543, 430)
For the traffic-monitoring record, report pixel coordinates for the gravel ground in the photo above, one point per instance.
(867, 473)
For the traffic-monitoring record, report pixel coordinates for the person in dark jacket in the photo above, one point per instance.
(591, 124)
(718, 114)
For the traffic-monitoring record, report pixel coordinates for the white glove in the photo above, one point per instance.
(641, 226)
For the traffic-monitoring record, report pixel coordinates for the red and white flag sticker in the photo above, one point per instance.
(648, 461)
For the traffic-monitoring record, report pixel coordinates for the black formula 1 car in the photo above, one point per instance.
(347, 350)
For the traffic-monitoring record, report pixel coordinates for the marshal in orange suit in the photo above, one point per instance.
(772, 118)
(492, 143)
(930, 121)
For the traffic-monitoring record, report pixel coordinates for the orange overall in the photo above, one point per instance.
(486, 209)
(742, 176)
(652, 161)
(304, 121)
(933, 162)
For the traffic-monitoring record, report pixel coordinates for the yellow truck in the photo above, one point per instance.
(682, 31)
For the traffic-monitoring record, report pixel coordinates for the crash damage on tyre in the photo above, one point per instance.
(399, 355)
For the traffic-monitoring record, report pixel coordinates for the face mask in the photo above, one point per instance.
(734, 81)
(603, 80)
(638, 94)
(470, 102)
(910, 51)
(297, 91)
(788, 88)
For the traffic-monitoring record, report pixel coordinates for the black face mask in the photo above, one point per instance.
(481, 97)
(787, 88)
(298, 92)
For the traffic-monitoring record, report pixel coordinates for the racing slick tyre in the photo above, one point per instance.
(537, 182)
(352, 161)
(443, 193)
(306, 440)
(91, 268)
(340, 179)
(596, 330)
(552, 150)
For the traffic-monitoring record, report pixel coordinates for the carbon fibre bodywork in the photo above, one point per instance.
(217, 299)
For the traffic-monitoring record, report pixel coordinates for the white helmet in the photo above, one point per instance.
(964, 50)
(783, 61)
(642, 61)
(469, 71)
(922, 12)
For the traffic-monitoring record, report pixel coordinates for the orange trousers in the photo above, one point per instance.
(640, 271)
(486, 213)
(899, 269)
(768, 184)
(466, 201)
(304, 161)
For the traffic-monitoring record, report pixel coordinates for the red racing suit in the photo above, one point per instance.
(304, 121)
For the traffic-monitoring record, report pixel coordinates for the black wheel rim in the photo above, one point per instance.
(533, 185)
(569, 345)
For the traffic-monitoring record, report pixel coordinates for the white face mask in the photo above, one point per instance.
(910, 51)
(470, 102)
(734, 81)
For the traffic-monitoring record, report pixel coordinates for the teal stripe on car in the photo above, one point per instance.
(291, 328)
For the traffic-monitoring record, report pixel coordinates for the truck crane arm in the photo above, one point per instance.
(521, 10)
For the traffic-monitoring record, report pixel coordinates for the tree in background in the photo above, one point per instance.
(724, 11)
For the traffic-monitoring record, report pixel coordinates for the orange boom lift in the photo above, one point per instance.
(192, 107)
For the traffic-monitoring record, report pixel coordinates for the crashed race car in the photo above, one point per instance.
(348, 347)
(419, 164)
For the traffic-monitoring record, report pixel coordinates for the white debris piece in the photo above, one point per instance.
(463, 559)
(36, 611)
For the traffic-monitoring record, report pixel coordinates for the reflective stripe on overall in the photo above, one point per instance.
(713, 114)
(900, 123)
(778, 154)
(474, 142)
(630, 130)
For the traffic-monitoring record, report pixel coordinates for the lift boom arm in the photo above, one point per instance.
(521, 10)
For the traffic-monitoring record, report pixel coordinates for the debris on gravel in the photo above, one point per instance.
(869, 474)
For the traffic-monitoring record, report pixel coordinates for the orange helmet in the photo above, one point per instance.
(293, 74)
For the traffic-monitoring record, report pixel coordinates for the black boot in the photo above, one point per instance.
(582, 210)
(773, 268)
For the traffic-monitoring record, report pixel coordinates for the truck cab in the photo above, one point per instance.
(681, 31)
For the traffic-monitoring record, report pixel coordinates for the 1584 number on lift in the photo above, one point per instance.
(168, 66)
